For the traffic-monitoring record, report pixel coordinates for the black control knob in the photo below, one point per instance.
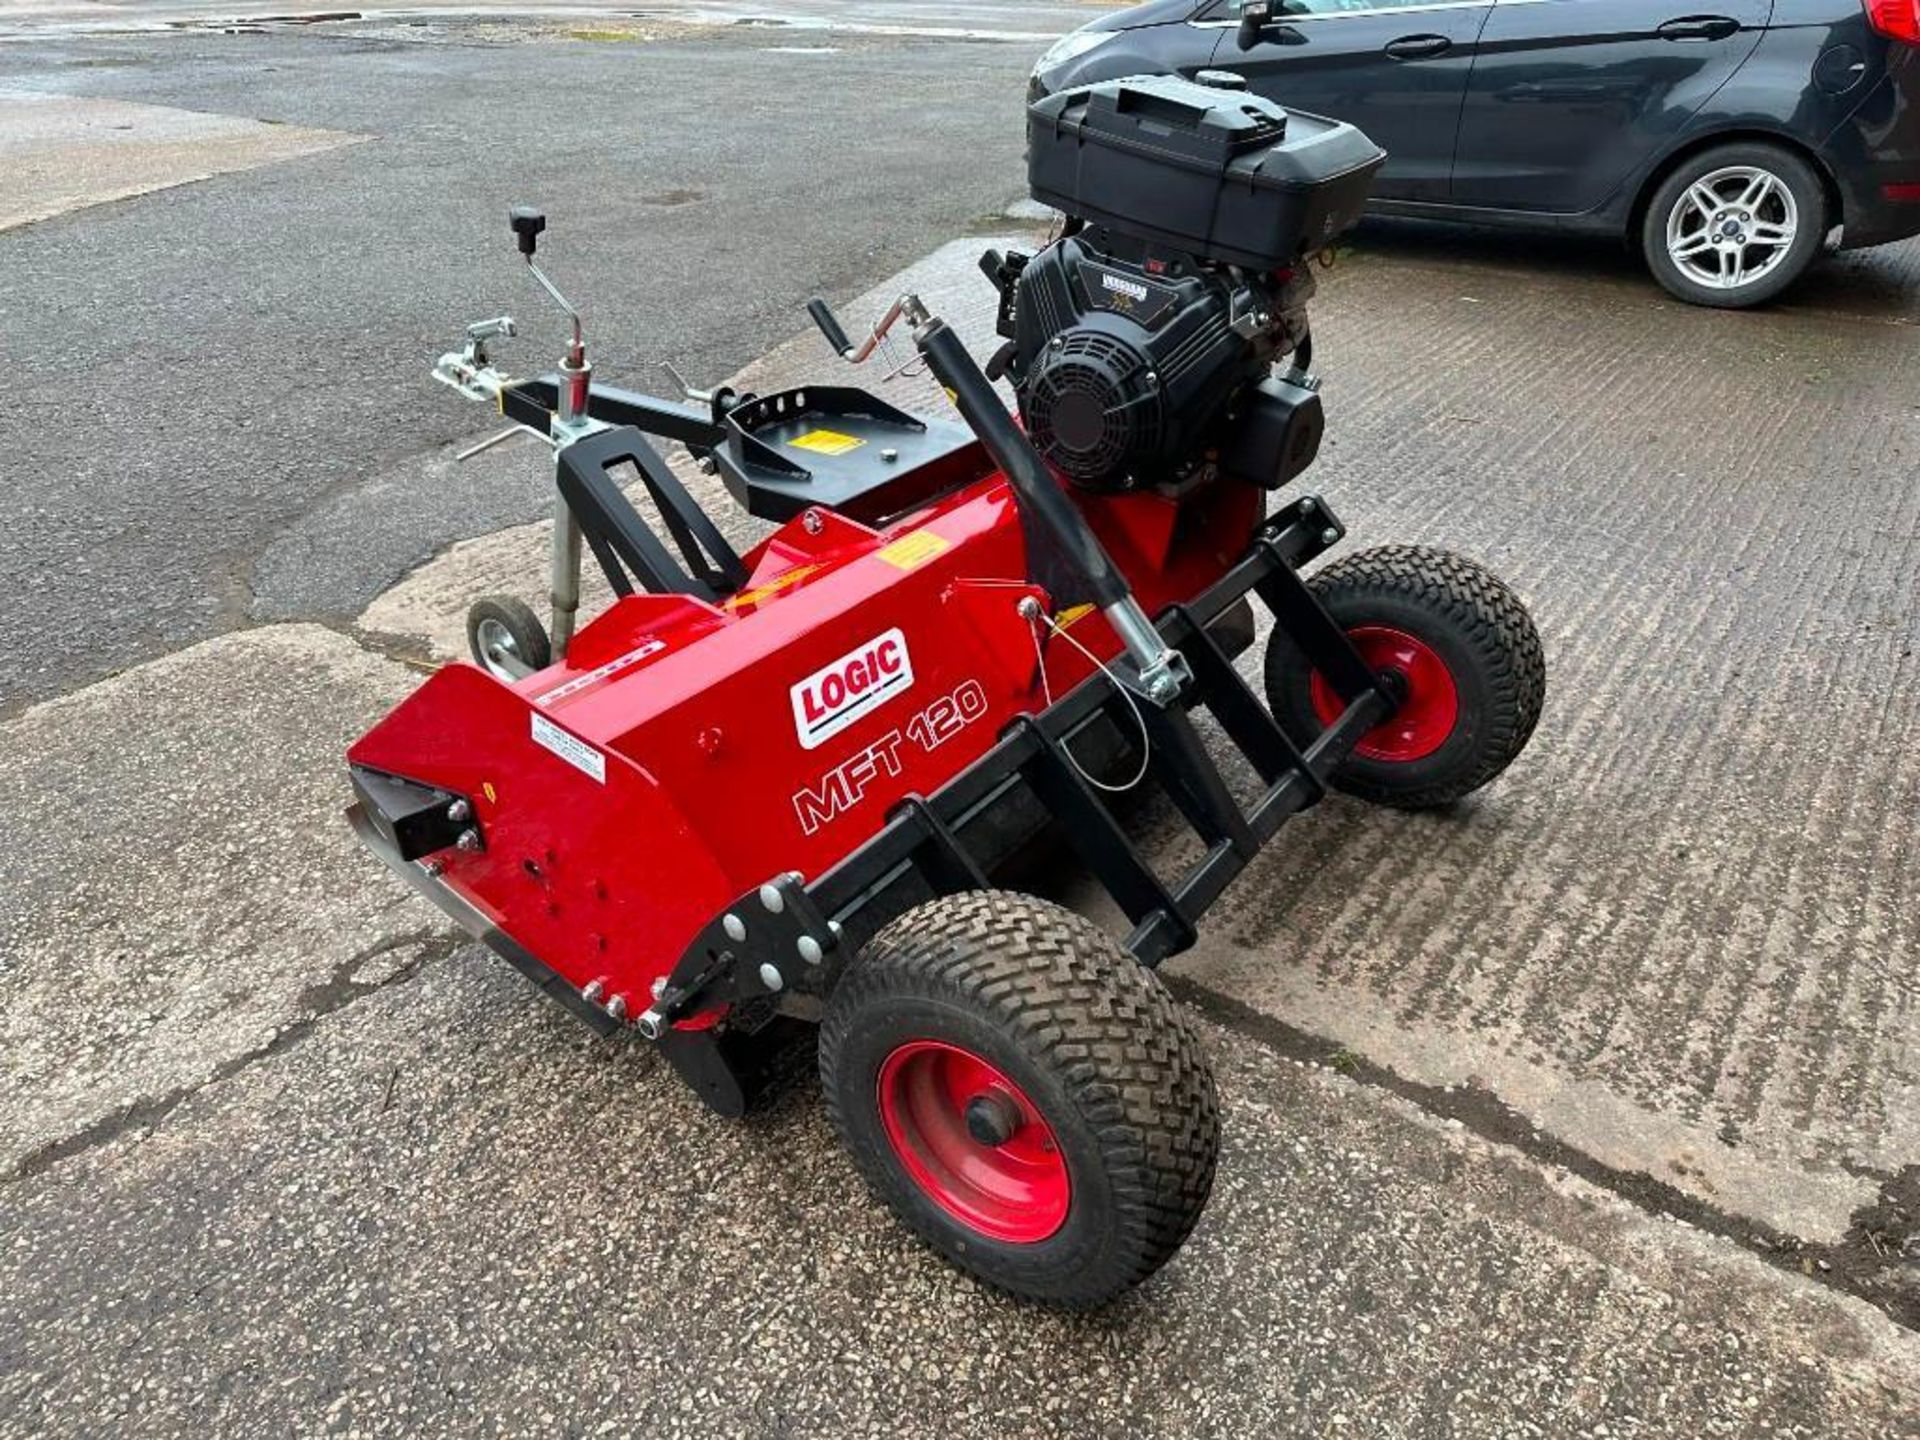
(527, 223)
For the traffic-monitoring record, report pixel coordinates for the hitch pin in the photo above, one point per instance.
(488, 443)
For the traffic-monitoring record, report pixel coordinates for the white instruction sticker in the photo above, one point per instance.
(570, 748)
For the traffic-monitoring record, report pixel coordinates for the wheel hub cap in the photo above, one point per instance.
(1428, 714)
(992, 1119)
(973, 1141)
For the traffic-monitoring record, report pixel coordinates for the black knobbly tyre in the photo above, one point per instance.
(1735, 225)
(1023, 1094)
(1466, 651)
(503, 631)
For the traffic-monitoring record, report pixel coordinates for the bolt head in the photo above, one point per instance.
(771, 977)
(469, 840)
(809, 949)
(593, 991)
(459, 812)
(771, 900)
(812, 522)
(735, 927)
(1329, 535)
(617, 1007)
(1308, 505)
(659, 986)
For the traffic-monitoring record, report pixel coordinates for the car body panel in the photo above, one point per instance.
(1342, 63)
(1569, 97)
(1812, 74)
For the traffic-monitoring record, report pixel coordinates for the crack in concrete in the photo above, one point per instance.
(1878, 1259)
(316, 1003)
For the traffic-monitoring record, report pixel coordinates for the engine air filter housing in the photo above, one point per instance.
(1220, 174)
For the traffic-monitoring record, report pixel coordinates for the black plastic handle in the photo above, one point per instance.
(527, 223)
(829, 326)
(1418, 47)
(1699, 27)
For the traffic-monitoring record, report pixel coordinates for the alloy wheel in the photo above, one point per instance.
(1732, 227)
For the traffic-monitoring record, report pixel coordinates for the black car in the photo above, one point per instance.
(1726, 141)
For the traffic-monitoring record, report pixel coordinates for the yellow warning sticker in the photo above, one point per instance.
(773, 587)
(826, 442)
(911, 551)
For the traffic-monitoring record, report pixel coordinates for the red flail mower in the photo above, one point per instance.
(766, 791)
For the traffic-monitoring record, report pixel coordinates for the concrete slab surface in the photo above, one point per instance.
(179, 890)
(451, 1210)
(63, 152)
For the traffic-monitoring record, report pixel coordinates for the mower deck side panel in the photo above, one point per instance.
(775, 742)
(587, 862)
(686, 751)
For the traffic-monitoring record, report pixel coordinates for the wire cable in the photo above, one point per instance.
(1034, 614)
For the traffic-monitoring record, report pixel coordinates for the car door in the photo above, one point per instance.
(1570, 97)
(1398, 71)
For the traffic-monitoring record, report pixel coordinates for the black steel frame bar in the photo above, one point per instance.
(927, 833)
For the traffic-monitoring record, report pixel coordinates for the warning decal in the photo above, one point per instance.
(826, 442)
(570, 748)
(911, 551)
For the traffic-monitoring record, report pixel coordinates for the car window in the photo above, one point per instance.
(1230, 9)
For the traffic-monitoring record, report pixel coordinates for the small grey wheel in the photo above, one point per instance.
(1735, 225)
(506, 638)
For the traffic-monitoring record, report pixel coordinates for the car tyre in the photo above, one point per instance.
(1709, 222)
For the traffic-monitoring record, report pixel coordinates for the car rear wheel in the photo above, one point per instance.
(1735, 225)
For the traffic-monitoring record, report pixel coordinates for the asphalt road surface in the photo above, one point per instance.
(1592, 1108)
(195, 373)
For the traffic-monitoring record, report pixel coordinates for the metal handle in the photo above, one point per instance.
(907, 305)
(1418, 47)
(829, 326)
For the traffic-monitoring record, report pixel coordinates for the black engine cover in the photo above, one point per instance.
(1124, 363)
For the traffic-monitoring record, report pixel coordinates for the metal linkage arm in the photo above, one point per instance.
(1162, 669)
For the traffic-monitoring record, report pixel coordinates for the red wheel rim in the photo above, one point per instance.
(1424, 720)
(1015, 1190)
